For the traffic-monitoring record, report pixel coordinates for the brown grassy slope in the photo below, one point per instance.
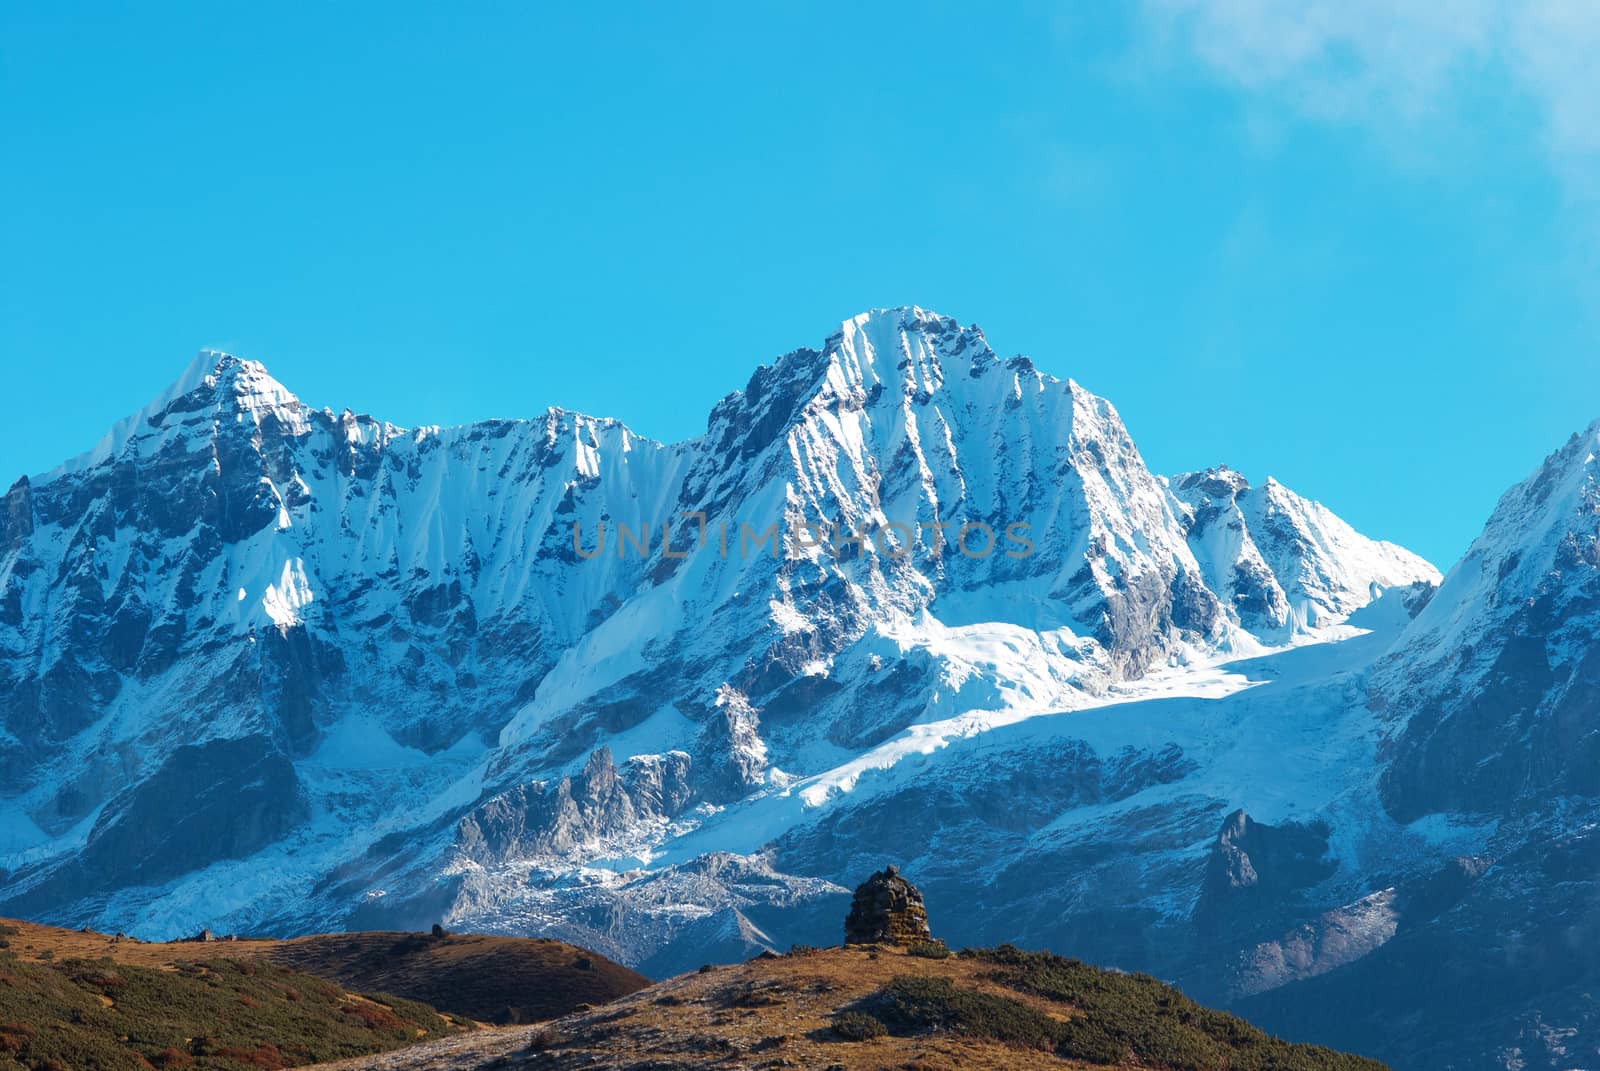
(220, 1015)
(492, 979)
(1007, 1013)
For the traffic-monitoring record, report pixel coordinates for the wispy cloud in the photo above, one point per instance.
(1403, 64)
(1554, 49)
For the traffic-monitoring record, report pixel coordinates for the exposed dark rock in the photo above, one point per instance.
(1255, 871)
(1504, 978)
(16, 515)
(1439, 892)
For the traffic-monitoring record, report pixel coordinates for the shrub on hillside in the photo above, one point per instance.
(911, 1004)
(1134, 1018)
(929, 950)
(858, 1026)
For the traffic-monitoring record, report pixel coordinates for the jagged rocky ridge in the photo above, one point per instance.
(265, 666)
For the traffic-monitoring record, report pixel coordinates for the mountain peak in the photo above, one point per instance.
(888, 323)
(1218, 481)
(1538, 544)
(896, 316)
(214, 379)
(907, 350)
(228, 378)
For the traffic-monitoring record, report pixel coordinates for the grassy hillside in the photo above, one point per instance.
(99, 1015)
(491, 979)
(1093, 1015)
(859, 1008)
(86, 1002)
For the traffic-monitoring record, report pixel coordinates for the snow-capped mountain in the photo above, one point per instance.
(1494, 690)
(264, 666)
(1285, 564)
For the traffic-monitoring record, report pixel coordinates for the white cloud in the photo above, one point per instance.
(1555, 50)
(1405, 63)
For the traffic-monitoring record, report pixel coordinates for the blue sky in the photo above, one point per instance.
(1353, 248)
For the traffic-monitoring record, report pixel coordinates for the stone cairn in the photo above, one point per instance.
(887, 910)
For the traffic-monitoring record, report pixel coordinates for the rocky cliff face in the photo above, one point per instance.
(541, 819)
(269, 666)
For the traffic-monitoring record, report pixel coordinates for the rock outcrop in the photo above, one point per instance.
(887, 909)
(544, 818)
(1256, 872)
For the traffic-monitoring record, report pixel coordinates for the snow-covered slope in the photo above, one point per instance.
(268, 666)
